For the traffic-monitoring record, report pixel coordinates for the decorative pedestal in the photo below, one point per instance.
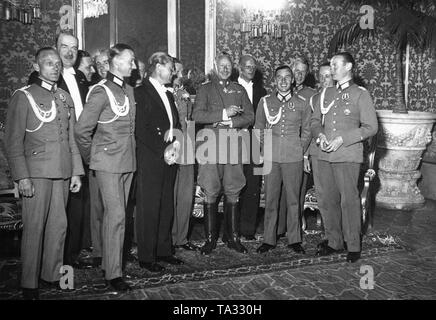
(402, 138)
(427, 185)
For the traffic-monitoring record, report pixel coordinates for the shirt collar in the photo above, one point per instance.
(344, 85)
(46, 85)
(69, 70)
(118, 81)
(157, 85)
(284, 98)
(245, 82)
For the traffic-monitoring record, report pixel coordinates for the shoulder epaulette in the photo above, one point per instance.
(301, 97)
(363, 88)
(22, 88)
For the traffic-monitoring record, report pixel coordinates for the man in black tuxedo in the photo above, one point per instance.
(156, 118)
(250, 195)
(78, 203)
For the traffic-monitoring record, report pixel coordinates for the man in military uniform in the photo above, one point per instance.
(300, 69)
(43, 156)
(287, 115)
(344, 116)
(110, 151)
(224, 107)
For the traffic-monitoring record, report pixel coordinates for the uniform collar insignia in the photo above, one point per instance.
(115, 79)
(299, 87)
(344, 85)
(284, 98)
(46, 85)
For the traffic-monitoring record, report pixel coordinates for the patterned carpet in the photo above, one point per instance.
(223, 262)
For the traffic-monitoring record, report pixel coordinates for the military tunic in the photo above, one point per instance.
(305, 93)
(43, 149)
(110, 151)
(289, 120)
(223, 170)
(347, 110)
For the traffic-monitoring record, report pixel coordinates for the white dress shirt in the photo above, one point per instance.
(162, 93)
(248, 86)
(73, 88)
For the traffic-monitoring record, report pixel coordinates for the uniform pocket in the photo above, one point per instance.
(35, 151)
(109, 148)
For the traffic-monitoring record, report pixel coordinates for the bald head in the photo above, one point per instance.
(247, 67)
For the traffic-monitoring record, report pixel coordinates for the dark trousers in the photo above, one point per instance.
(78, 208)
(154, 207)
(341, 203)
(249, 201)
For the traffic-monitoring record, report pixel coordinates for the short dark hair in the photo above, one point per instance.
(324, 64)
(282, 67)
(116, 50)
(80, 55)
(347, 58)
(43, 50)
(158, 57)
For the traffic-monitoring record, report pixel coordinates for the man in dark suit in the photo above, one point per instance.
(250, 194)
(156, 120)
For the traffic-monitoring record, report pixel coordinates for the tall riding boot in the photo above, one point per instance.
(226, 224)
(210, 228)
(233, 217)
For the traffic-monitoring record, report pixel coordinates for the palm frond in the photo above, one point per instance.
(347, 36)
(428, 25)
(404, 26)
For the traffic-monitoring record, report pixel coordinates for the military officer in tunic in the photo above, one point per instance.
(344, 116)
(46, 163)
(224, 107)
(286, 115)
(300, 69)
(110, 151)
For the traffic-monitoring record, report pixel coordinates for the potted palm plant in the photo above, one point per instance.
(403, 134)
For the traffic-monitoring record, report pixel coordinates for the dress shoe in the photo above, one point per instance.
(237, 245)
(297, 248)
(249, 238)
(83, 264)
(353, 256)
(118, 284)
(188, 246)
(129, 257)
(170, 260)
(265, 247)
(151, 266)
(326, 251)
(30, 294)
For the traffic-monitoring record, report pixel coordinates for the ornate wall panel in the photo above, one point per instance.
(18, 45)
(310, 26)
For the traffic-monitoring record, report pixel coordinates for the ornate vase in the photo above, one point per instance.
(402, 138)
(427, 184)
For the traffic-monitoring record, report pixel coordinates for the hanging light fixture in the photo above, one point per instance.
(24, 11)
(94, 8)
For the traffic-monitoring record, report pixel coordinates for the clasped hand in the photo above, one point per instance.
(233, 110)
(330, 146)
(172, 153)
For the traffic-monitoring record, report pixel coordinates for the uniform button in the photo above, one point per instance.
(334, 121)
(334, 113)
(34, 152)
(105, 148)
(337, 98)
(334, 129)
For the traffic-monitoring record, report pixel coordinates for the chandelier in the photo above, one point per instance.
(259, 19)
(94, 8)
(24, 11)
